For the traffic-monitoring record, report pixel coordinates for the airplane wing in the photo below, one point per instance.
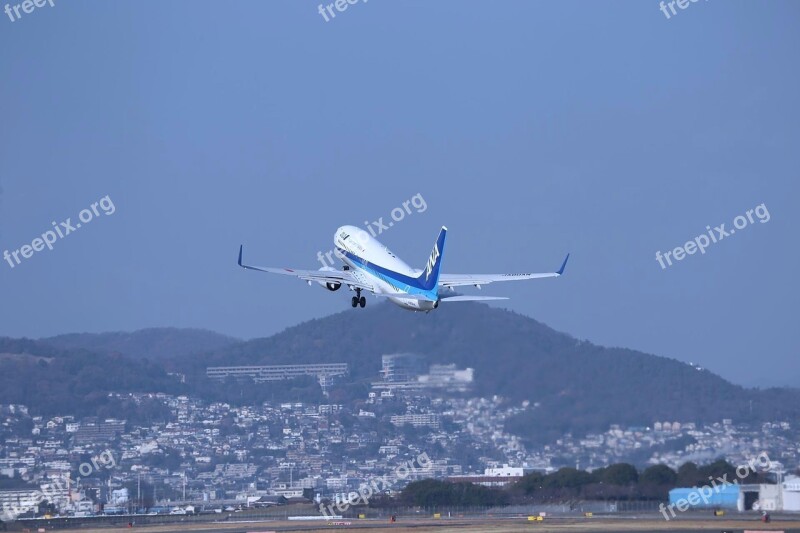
(344, 277)
(455, 280)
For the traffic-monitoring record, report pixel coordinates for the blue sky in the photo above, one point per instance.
(531, 129)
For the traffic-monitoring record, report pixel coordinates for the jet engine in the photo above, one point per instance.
(328, 285)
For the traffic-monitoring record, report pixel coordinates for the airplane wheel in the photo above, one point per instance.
(362, 302)
(354, 301)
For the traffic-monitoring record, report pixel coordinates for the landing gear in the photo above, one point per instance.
(358, 300)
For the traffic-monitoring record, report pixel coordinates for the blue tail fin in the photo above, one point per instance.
(429, 279)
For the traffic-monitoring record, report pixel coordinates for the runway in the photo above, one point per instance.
(489, 525)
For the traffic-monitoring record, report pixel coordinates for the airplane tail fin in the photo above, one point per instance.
(429, 279)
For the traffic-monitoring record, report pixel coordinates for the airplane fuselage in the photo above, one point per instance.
(372, 262)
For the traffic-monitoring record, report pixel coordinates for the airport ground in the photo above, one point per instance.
(615, 523)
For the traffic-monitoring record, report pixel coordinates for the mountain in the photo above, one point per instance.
(576, 385)
(572, 385)
(73, 381)
(153, 343)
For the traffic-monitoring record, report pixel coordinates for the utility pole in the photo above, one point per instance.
(138, 491)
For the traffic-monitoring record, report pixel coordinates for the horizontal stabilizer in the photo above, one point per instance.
(469, 298)
(404, 295)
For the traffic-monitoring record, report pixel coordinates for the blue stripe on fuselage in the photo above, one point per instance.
(399, 281)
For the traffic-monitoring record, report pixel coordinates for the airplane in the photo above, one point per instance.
(370, 266)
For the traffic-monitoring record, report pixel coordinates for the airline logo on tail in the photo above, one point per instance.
(428, 279)
(432, 261)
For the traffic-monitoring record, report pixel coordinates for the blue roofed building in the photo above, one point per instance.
(708, 497)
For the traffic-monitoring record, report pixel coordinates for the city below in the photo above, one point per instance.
(416, 417)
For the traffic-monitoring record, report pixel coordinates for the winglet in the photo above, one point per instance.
(240, 255)
(563, 266)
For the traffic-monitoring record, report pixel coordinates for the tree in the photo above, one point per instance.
(435, 493)
(620, 474)
(718, 469)
(530, 483)
(659, 475)
(689, 475)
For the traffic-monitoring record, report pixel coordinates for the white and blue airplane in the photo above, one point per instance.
(371, 266)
